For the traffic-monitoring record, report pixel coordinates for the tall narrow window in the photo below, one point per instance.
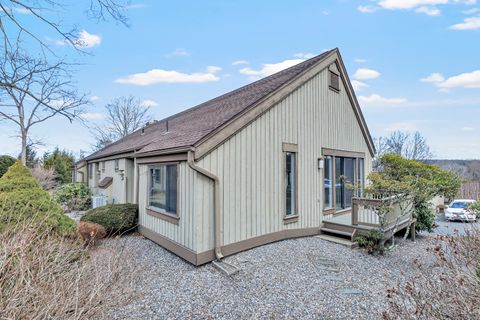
(90, 171)
(290, 183)
(103, 166)
(163, 188)
(328, 183)
(361, 178)
(117, 165)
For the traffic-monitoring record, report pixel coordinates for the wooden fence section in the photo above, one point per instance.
(470, 190)
(365, 211)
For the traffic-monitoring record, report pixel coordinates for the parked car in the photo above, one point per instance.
(458, 210)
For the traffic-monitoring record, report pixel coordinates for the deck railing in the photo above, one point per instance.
(382, 212)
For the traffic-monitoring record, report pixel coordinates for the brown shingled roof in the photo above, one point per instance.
(188, 127)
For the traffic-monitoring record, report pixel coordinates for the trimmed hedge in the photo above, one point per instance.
(22, 198)
(115, 218)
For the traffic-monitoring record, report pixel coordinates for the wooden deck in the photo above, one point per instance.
(389, 215)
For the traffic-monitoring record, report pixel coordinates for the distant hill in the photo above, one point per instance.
(465, 169)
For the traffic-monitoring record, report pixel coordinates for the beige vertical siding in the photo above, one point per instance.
(185, 232)
(120, 190)
(250, 164)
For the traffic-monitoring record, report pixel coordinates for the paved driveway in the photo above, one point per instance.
(453, 227)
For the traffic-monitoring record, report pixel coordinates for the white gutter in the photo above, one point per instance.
(216, 203)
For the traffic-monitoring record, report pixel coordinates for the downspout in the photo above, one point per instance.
(216, 203)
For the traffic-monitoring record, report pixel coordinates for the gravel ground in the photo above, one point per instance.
(306, 278)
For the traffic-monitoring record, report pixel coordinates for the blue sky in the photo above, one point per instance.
(415, 63)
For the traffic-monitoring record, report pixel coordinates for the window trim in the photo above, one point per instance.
(289, 148)
(336, 90)
(158, 212)
(344, 154)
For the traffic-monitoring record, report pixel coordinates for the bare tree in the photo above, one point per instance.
(25, 16)
(412, 147)
(124, 116)
(33, 91)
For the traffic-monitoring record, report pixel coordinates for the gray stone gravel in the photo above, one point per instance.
(305, 278)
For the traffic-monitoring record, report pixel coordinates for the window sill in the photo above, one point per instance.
(334, 89)
(170, 217)
(290, 219)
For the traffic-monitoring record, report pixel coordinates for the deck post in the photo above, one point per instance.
(354, 212)
(412, 231)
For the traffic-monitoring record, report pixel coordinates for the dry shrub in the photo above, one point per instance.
(91, 232)
(43, 276)
(446, 288)
(47, 178)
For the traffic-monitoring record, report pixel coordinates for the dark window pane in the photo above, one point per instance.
(290, 183)
(349, 180)
(328, 183)
(339, 196)
(163, 188)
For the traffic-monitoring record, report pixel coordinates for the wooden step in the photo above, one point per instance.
(342, 241)
(337, 226)
(336, 231)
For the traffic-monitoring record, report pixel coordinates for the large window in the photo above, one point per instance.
(163, 188)
(341, 173)
(290, 184)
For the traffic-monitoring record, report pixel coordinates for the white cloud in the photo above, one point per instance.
(360, 60)
(213, 69)
(471, 11)
(433, 78)
(358, 85)
(375, 99)
(366, 74)
(149, 103)
(429, 11)
(155, 76)
(94, 98)
(304, 55)
(472, 23)
(408, 4)
(92, 116)
(87, 40)
(325, 12)
(179, 52)
(269, 68)
(367, 9)
(465, 80)
(468, 129)
(238, 62)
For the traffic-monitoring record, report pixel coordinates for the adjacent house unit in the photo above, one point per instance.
(268, 161)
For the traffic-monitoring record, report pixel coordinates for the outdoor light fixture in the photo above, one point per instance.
(320, 163)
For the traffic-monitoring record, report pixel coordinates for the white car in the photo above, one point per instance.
(458, 210)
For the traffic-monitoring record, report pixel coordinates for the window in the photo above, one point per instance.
(90, 171)
(163, 188)
(117, 166)
(334, 81)
(103, 166)
(328, 183)
(290, 183)
(341, 172)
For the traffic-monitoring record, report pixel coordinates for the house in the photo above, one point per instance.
(268, 161)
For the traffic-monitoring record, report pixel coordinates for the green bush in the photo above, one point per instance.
(22, 199)
(76, 196)
(5, 163)
(371, 241)
(397, 175)
(115, 218)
